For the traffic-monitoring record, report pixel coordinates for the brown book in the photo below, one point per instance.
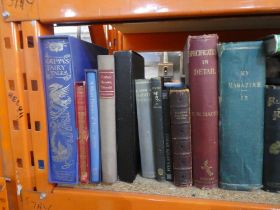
(83, 139)
(181, 136)
(203, 76)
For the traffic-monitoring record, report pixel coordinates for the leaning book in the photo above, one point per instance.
(63, 60)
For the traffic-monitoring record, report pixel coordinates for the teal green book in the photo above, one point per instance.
(242, 82)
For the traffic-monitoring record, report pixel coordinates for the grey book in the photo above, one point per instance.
(106, 73)
(144, 117)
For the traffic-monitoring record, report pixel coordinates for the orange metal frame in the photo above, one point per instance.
(23, 119)
(122, 10)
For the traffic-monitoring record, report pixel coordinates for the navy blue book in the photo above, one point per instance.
(93, 125)
(242, 80)
(63, 60)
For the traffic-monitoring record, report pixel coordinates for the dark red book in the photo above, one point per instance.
(203, 76)
(83, 138)
(181, 136)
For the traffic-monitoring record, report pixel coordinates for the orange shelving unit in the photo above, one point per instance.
(156, 25)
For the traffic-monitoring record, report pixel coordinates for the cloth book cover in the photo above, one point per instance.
(242, 80)
(203, 81)
(144, 117)
(63, 60)
(107, 109)
(158, 132)
(271, 171)
(83, 136)
(181, 136)
(128, 66)
(167, 135)
(93, 124)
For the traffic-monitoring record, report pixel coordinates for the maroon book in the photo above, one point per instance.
(83, 138)
(203, 76)
(181, 136)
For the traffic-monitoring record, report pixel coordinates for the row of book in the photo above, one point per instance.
(232, 114)
(92, 125)
(181, 134)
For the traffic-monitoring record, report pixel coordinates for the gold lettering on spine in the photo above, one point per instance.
(205, 114)
(202, 72)
(243, 86)
(274, 148)
(271, 101)
(208, 52)
(207, 168)
(276, 114)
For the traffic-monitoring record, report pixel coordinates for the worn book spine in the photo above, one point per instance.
(107, 109)
(272, 70)
(167, 137)
(272, 45)
(271, 171)
(144, 117)
(181, 136)
(128, 66)
(83, 138)
(93, 122)
(203, 78)
(242, 80)
(158, 133)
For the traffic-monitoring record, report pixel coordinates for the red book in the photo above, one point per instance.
(203, 76)
(83, 138)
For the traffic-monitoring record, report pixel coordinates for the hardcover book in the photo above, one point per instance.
(242, 80)
(158, 133)
(167, 136)
(83, 137)
(272, 70)
(181, 136)
(106, 72)
(144, 117)
(203, 79)
(63, 60)
(271, 171)
(93, 124)
(272, 44)
(128, 66)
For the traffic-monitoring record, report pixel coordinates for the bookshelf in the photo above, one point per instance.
(23, 135)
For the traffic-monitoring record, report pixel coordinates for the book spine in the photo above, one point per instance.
(144, 117)
(272, 70)
(158, 135)
(106, 72)
(272, 45)
(242, 79)
(203, 76)
(93, 122)
(181, 136)
(167, 137)
(271, 172)
(129, 66)
(59, 90)
(82, 125)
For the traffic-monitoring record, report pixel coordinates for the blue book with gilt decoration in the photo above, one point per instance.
(93, 124)
(242, 81)
(63, 60)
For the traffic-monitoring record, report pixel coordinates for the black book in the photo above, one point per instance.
(167, 136)
(128, 67)
(158, 133)
(271, 172)
(273, 70)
